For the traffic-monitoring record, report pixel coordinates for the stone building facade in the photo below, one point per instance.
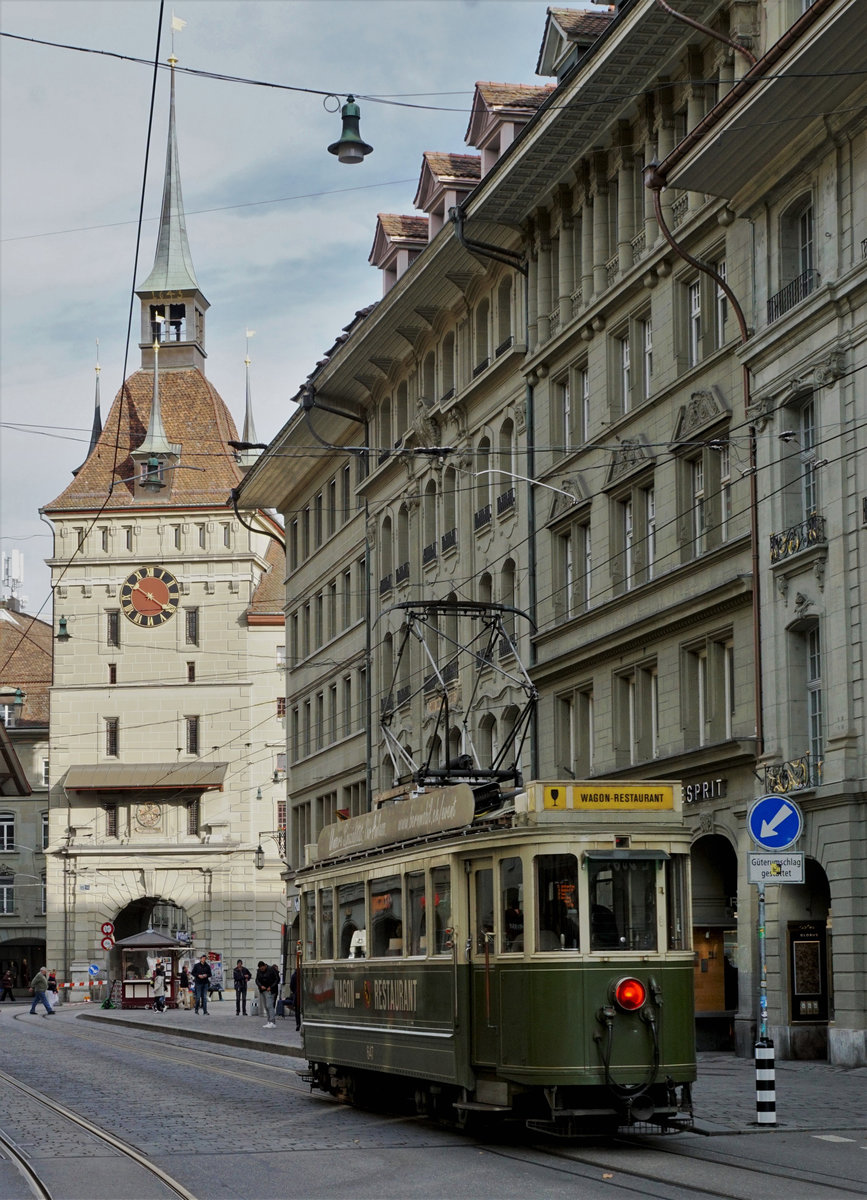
(631, 412)
(167, 706)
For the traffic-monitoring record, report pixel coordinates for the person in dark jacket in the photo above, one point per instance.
(184, 987)
(201, 973)
(7, 987)
(241, 977)
(268, 983)
(294, 999)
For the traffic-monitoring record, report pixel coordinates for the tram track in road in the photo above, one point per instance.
(286, 1076)
(36, 1181)
(754, 1175)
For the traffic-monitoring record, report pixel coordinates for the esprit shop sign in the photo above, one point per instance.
(704, 789)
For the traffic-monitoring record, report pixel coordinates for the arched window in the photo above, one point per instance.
(450, 512)
(507, 595)
(504, 316)
(448, 366)
(428, 377)
(483, 483)
(429, 516)
(386, 551)
(481, 357)
(402, 570)
(401, 412)
(487, 740)
(385, 432)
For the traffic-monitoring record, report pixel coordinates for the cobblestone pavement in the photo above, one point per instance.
(810, 1095)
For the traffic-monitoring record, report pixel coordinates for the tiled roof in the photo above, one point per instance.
(26, 648)
(397, 226)
(194, 416)
(454, 166)
(514, 95)
(576, 23)
(270, 595)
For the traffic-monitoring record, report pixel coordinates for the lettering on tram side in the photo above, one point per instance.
(378, 995)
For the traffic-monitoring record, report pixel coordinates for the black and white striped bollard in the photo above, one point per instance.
(766, 1095)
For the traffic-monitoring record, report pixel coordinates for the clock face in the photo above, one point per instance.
(148, 815)
(149, 597)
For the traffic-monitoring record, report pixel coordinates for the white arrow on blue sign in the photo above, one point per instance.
(775, 822)
(93, 969)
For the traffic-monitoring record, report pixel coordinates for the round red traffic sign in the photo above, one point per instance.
(107, 927)
(107, 943)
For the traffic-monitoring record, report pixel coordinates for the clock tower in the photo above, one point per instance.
(168, 755)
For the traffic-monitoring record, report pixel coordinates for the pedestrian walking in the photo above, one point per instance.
(241, 977)
(184, 987)
(294, 999)
(268, 983)
(39, 986)
(159, 982)
(6, 981)
(201, 973)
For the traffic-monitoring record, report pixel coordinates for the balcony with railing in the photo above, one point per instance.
(504, 346)
(793, 293)
(612, 268)
(401, 575)
(385, 584)
(505, 502)
(794, 775)
(803, 536)
(480, 367)
(679, 209)
(450, 671)
(482, 518)
(639, 244)
(449, 541)
(429, 554)
(403, 694)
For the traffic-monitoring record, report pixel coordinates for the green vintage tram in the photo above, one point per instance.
(531, 961)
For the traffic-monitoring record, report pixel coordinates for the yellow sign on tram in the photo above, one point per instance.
(608, 797)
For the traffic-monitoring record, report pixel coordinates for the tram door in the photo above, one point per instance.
(483, 998)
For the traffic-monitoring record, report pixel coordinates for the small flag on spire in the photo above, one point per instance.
(177, 24)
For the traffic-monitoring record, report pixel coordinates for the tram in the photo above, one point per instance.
(528, 958)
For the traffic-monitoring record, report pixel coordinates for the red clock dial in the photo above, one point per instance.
(150, 596)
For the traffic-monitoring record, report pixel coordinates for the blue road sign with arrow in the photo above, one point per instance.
(775, 822)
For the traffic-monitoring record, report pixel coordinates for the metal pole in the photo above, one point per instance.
(766, 1096)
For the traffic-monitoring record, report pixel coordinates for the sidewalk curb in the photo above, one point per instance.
(201, 1035)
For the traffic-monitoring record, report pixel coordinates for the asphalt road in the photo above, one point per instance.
(234, 1121)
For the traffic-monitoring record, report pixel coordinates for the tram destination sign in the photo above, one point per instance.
(765, 869)
(432, 812)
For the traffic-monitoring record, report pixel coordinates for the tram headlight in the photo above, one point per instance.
(630, 994)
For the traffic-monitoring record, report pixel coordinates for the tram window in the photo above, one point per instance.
(326, 923)
(622, 904)
(309, 925)
(676, 902)
(512, 904)
(441, 886)
(484, 909)
(415, 925)
(386, 916)
(353, 924)
(557, 899)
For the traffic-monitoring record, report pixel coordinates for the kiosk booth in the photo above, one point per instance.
(137, 957)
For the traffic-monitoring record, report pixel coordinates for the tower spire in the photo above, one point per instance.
(173, 268)
(96, 429)
(246, 458)
(173, 307)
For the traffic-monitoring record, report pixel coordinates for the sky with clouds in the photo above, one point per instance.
(280, 232)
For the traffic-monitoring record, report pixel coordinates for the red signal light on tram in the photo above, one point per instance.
(630, 994)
